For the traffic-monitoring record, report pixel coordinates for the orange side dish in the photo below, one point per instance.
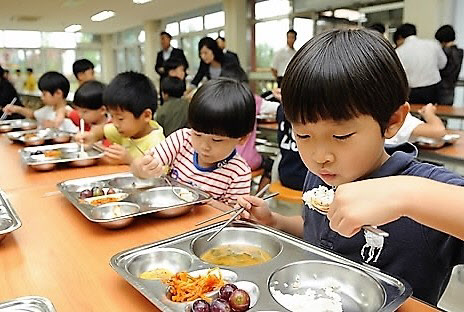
(52, 153)
(184, 287)
(106, 200)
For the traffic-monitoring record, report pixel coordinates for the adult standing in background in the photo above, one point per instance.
(30, 85)
(168, 52)
(422, 60)
(283, 57)
(213, 60)
(7, 94)
(221, 42)
(449, 75)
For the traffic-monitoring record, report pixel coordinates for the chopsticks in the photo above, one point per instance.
(239, 211)
(5, 114)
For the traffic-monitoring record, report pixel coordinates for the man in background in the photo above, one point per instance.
(221, 42)
(283, 57)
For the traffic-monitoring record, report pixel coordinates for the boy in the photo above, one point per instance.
(131, 101)
(88, 101)
(205, 155)
(344, 92)
(30, 84)
(55, 88)
(173, 114)
(83, 70)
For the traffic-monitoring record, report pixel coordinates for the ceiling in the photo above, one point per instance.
(55, 15)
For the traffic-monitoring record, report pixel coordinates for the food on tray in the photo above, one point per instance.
(236, 255)
(52, 153)
(186, 195)
(30, 136)
(319, 198)
(226, 291)
(237, 301)
(156, 274)
(97, 191)
(184, 287)
(85, 194)
(110, 191)
(325, 299)
(37, 153)
(101, 200)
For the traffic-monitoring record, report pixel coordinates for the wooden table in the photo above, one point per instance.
(446, 111)
(59, 254)
(450, 154)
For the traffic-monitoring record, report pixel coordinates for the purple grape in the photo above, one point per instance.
(239, 301)
(110, 191)
(85, 194)
(220, 305)
(226, 291)
(201, 306)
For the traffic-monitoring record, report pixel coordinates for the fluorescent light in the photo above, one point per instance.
(141, 1)
(73, 28)
(101, 16)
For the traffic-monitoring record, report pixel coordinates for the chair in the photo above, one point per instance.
(285, 193)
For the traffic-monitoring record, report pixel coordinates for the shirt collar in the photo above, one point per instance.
(219, 164)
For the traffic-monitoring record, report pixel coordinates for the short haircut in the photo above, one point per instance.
(53, 81)
(405, 31)
(378, 27)
(211, 44)
(18, 70)
(341, 74)
(172, 63)
(172, 86)
(222, 38)
(291, 31)
(29, 70)
(234, 72)
(81, 66)
(132, 92)
(445, 34)
(224, 107)
(165, 33)
(89, 95)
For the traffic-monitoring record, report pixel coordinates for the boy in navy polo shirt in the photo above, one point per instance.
(345, 92)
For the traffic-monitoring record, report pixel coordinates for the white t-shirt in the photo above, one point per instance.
(48, 113)
(281, 60)
(403, 135)
(422, 59)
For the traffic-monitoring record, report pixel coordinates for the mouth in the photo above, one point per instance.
(327, 176)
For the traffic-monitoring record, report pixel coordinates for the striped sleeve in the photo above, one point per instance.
(168, 149)
(240, 185)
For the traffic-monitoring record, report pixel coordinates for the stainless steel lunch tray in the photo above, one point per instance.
(181, 253)
(45, 136)
(447, 139)
(70, 153)
(9, 220)
(17, 124)
(173, 206)
(28, 304)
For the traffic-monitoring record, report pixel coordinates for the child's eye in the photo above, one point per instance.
(343, 137)
(302, 136)
(218, 140)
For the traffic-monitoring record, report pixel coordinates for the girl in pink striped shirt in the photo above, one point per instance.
(222, 115)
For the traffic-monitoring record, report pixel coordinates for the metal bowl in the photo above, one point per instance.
(34, 141)
(359, 291)
(134, 183)
(83, 162)
(61, 137)
(237, 236)
(174, 260)
(43, 167)
(117, 212)
(28, 125)
(165, 203)
(5, 128)
(5, 223)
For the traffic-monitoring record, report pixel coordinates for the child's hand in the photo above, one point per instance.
(85, 138)
(256, 209)
(147, 166)
(427, 111)
(368, 202)
(10, 109)
(117, 154)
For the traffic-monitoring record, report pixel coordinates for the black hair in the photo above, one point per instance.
(29, 70)
(234, 72)
(222, 38)
(211, 44)
(89, 95)
(1, 72)
(172, 63)
(165, 33)
(6, 71)
(445, 34)
(292, 31)
(172, 86)
(53, 81)
(132, 92)
(378, 27)
(18, 70)
(405, 31)
(223, 107)
(81, 66)
(342, 74)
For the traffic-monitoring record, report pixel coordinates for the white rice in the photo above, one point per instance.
(322, 194)
(325, 300)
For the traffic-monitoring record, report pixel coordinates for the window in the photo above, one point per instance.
(61, 40)
(172, 28)
(190, 46)
(305, 30)
(214, 20)
(272, 8)
(270, 37)
(22, 39)
(191, 24)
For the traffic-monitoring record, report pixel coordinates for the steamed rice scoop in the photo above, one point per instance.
(319, 198)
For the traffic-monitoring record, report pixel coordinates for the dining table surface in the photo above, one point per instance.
(58, 254)
(448, 111)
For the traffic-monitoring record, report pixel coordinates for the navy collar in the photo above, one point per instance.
(219, 164)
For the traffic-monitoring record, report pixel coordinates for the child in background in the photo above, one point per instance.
(175, 68)
(205, 155)
(344, 92)
(172, 115)
(131, 100)
(55, 88)
(30, 84)
(83, 70)
(88, 102)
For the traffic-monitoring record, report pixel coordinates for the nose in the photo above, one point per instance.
(322, 156)
(205, 147)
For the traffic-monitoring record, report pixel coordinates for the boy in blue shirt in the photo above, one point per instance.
(344, 93)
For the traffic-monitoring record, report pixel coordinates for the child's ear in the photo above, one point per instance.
(147, 115)
(58, 92)
(103, 109)
(396, 120)
(243, 139)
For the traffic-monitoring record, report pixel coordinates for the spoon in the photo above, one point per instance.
(82, 153)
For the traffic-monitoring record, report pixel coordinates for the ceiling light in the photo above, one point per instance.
(73, 28)
(101, 16)
(141, 1)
